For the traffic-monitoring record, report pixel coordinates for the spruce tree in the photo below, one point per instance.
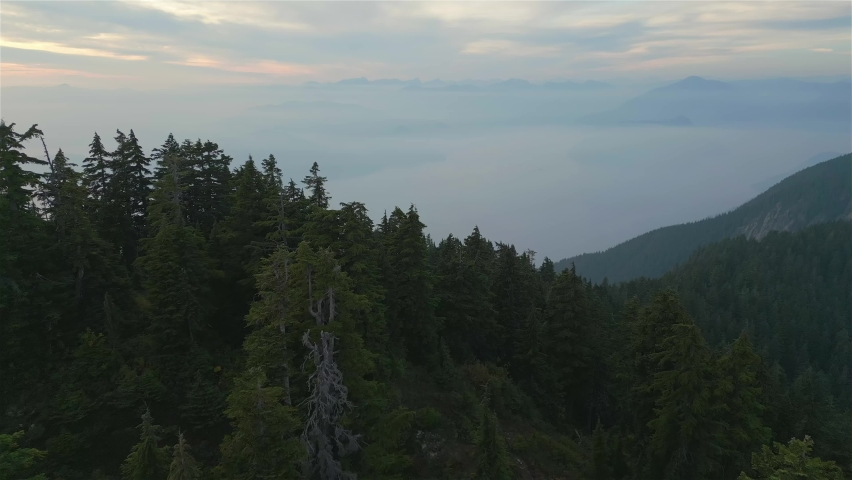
(128, 192)
(791, 461)
(175, 272)
(547, 271)
(568, 318)
(739, 394)
(146, 461)
(492, 457)
(685, 435)
(265, 441)
(24, 309)
(183, 466)
(170, 147)
(96, 170)
(411, 319)
(272, 175)
(316, 184)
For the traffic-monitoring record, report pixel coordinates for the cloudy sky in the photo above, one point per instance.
(162, 44)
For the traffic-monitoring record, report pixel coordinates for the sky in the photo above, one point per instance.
(515, 163)
(163, 44)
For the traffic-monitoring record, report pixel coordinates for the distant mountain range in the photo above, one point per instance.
(704, 102)
(818, 194)
(437, 85)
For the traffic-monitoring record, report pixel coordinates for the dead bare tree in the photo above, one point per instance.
(324, 437)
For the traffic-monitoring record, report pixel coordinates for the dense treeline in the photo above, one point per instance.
(792, 293)
(168, 316)
(817, 194)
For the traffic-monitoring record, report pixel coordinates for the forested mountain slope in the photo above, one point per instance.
(821, 193)
(793, 293)
(169, 317)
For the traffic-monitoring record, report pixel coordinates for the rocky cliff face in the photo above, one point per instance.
(788, 218)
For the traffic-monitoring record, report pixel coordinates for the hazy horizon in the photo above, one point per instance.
(521, 162)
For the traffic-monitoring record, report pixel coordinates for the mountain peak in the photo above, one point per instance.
(698, 83)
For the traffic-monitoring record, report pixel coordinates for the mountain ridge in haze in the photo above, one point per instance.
(785, 102)
(817, 194)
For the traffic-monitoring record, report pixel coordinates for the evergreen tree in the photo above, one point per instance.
(127, 195)
(211, 189)
(260, 405)
(175, 272)
(411, 320)
(183, 466)
(170, 148)
(146, 460)
(685, 441)
(28, 316)
(493, 459)
(96, 169)
(464, 294)
(273, 175)
(16, 462)
(547, 271)
(316, 184)
(739, 393)
(568, 317)
(264, 442)
(791, 461)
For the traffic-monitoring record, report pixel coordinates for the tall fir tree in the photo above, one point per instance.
(183, 466)
(568, 318)
(146, 460)
(411, 320)
(316, 185)
(175, 272)
(493, 459)
(739, 394)
(686, 433)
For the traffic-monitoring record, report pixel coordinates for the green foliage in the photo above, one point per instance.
(601, 469)
(146, 460)
(790, 462)
(264, 442)
(183, 466)
(684, 435)
(19, 463)
(493, 459)
(739, 394)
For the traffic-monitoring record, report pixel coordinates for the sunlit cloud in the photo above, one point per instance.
(263, 67)
(215, 13)
(332, 40)
(8, 69)
(66, 50)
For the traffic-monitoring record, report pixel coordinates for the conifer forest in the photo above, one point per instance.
(173, 313)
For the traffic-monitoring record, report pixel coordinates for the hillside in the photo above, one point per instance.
(791, 292)
(817, 194)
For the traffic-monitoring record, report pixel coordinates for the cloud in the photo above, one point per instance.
(66, 50)
(332, 40)
(510, 48)
(8, 69)
(265, 67)
(253, 14)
